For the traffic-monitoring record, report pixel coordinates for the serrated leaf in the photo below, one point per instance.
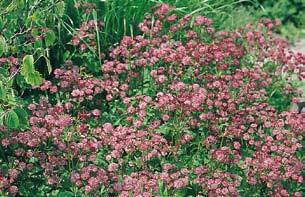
(11, 120)
(2, 45)
(60, 6)
(27, 65)
(22, 115)
(50, 38)
(34, 78)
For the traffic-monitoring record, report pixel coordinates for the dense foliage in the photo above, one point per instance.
(290, 12)
(177, 108)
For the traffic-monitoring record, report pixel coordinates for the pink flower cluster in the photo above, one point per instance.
(8, 183)
(70, 80)
(192, 96)
(85, 36)
(13, 62)
(138, 184)
(173, 178)
(91, 177)
(219, 183)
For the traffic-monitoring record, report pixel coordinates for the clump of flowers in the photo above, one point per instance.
(181, 95)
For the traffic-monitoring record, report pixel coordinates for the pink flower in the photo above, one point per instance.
(236, 145)
(96, 112)
(165, 117)
(162, 9)
(113, 167)
(13, 190)
(172, 18)
(88, 189)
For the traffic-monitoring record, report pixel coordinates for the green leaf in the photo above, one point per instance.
(35, 32)
(38, 18)
(60, 6)
(11, 120)
(50, 38)
(20, 4)
(34, 78)
(49, 66)
(66, 55)
(38, 44)
(65, 194)
(1, 22)
(1, 116)
(31, 76)
(163, 129)
(2, 91)
(20, 80)
(2, 45)
(27, 65)
(3, 72)
(22, 115)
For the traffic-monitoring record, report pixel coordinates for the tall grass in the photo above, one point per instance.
(122, 16)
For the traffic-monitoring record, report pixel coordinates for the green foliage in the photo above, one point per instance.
(122, 16)
(2, 91)
(290, 12)
(50, 38)
(2, 45)
(22, 116)
(11, 120)
(28, 71)
(39, 35)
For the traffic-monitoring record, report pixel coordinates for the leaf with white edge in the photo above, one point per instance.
(50, 38)
(11, 120)
(34, 78)
(27, 65)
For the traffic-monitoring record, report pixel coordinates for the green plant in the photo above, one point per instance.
(181, 105)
